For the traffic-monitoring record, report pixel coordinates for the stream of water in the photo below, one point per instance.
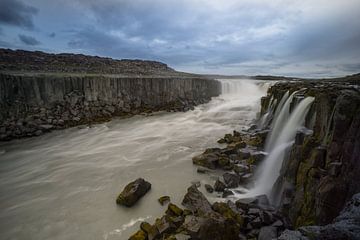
(63, 185)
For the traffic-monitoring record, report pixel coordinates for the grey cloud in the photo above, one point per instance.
(28, 40)
(16, 13)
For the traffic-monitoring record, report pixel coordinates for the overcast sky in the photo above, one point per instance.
(283, 37)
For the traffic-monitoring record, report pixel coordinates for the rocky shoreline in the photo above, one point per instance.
(311, 200)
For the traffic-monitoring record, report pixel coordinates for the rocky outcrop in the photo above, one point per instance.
(346, 226)
(32, 105)
(321, 172)
(133, 192)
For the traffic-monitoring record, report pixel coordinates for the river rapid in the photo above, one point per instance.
(63, 185)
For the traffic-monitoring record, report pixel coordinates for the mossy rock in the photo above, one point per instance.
(133, 192)
(145, 226)
(163, 200)
(139, 235)
(224, 161)
(174, 210)
(225, 210)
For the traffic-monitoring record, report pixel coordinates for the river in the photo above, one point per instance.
(63, 185)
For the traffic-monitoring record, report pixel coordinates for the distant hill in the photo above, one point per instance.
(20, 61)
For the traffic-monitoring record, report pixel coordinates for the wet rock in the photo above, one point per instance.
(240, 169)
(244, 154)
(174, 210)
(195, 201)
(278, 224)
(150, 230)
(219, 228)
(209, 188)
(209, 160)
(139, 235)
(196, 183)
(227, 193)
(292, 235)
(267, 232)
(192, 224)
(219, 186)
(133, 192)
(163, 200)
(227, 211)
(246, 178)
(202, 170)
(231, 180)
(163, 225)
(256, 158)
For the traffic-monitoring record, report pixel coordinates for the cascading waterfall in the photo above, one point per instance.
(280, 118)
(281, 104)
(269, 171)
(265, 119)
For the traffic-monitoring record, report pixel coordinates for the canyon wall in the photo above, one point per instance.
(321, 172)
(32, 104)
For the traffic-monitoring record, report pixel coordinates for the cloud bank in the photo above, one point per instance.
(284, 37)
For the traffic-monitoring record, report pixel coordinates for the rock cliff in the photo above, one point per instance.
(320, 174)
(40, 92)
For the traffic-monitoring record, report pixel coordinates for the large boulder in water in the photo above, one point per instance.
(133, 192)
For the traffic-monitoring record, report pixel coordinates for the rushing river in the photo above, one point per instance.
(63, 185)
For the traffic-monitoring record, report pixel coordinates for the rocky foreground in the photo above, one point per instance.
(315, 196)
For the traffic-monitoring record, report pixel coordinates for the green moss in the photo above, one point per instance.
(174, 210)
(139, 235)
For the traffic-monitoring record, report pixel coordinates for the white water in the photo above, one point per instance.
(63, 185)
(269, 171)
(280, 118)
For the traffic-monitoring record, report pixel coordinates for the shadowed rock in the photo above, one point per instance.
(133, 192)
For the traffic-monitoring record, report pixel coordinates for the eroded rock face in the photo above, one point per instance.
(133, 192)
(346, 226)
(321, 172)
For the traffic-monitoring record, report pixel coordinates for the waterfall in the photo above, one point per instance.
(266, 118)
(269, 171)
(281, 116)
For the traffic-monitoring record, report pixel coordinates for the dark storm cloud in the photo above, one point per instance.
(233, 37)
(28, 40)
(16, 13)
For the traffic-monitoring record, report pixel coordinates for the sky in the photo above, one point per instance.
(304, 38)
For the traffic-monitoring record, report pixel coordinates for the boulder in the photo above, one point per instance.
(195, 201)
(231, 180)
(133, 192)
(267, 232)
(219, 186)
(208, 160)
(209, 188)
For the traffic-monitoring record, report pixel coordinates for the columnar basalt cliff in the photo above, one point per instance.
(32, 103)
(320, 174)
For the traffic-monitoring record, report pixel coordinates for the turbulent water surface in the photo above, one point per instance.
(63, 185)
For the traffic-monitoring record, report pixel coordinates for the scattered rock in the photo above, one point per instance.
(267, 232)
(231, 180)
(133, 192)
(219, 186)
(163, 200)
(209, 188)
